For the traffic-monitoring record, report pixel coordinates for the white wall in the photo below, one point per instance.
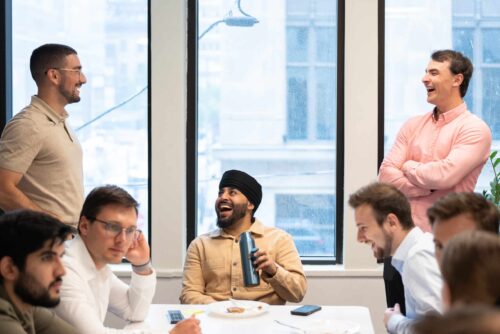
(358, 281)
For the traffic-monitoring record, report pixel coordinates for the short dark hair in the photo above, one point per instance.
(23, 232)
(106, 195)
(470, 268)
(484, 213)
(459, 64)
(462, 320)
(384, 199)
(48, 56)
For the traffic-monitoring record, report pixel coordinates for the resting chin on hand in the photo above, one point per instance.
(390, 312)
(138, 254)
(188, 326)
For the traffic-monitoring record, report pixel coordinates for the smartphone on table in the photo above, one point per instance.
(305, 310)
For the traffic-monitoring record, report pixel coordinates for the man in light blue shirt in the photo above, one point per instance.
(383, 218)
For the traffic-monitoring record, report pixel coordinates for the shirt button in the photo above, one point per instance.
(234, 263)
(234, 288)
(235, 241)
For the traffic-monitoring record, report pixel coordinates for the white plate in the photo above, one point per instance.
(252, 308)
(324, 326)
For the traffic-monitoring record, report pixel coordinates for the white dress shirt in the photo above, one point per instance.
(88, 293)
(416, 262)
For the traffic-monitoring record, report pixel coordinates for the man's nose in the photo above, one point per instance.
(83, 78)
(361, 236)
(60, 270)
(425, 78)
(121, 236)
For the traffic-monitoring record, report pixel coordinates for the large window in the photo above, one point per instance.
(111, 38)
(469, 26)
(267, 104)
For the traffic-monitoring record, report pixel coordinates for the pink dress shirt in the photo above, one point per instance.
(432, 158)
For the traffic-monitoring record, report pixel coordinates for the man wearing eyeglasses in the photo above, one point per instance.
(40, 156)
(107, 234)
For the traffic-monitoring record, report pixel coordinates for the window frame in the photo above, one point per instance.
(6, 111)
(192, 124)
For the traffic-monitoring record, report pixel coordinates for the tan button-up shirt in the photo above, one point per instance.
(213, 270)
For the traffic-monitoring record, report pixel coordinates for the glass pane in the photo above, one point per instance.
(325, 99)
(297, 38)
(297, 7)
(463, 39)
(326, 8)
(491, 100)
(490, 7)
(308, 219)
(111, 118)
(297, 103)
(326, 44)
(491, 45)
(463, 7)
(258, 111)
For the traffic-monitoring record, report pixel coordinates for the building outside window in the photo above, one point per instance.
(267, 105)
(111, 38)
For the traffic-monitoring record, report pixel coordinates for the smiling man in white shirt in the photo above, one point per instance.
(383, 218)
(107, 234)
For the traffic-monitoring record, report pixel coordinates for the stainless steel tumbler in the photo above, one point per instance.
(247, 250)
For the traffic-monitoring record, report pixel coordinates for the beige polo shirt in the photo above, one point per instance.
(39, 144)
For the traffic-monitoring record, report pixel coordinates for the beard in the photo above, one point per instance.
(239, 211)
(30, 291)
(71, 96)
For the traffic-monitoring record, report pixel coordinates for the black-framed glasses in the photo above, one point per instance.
(114, 229)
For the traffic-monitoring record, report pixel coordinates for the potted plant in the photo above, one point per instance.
(493, 194)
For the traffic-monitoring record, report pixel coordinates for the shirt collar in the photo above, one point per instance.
(408, 242)
(449, 115)
(257, 229)
(47, 110)
(79, 254)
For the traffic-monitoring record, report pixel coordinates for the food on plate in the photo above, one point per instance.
(235, 309)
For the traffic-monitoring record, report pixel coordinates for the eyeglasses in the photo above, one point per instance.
(114, 230)
(75, 70)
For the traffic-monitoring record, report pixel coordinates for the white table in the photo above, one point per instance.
(157, 321)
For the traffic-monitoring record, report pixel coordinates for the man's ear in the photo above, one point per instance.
(8, 270)
(458, 79)
(393, 220)
(84, 226)
(53, 76)
(250, 206)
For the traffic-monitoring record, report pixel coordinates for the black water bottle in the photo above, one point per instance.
(247, 250)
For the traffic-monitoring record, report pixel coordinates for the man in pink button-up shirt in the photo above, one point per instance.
(443, 150)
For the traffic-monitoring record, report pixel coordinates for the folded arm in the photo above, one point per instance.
(470, 151)
(391, 170)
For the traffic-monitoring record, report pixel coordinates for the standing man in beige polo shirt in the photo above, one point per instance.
(40, 156)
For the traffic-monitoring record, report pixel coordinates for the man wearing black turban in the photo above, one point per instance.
(213, 269)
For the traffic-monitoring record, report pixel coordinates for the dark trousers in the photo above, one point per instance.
(394, 289)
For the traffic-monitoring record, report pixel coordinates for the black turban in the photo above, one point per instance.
(244, 183)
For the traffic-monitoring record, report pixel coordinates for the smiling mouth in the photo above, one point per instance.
(224, 207)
